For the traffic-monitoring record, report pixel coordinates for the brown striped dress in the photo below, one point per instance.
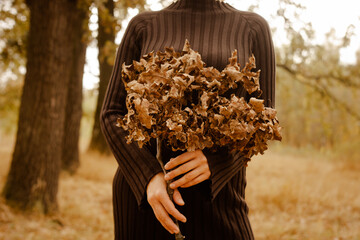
(216, 208)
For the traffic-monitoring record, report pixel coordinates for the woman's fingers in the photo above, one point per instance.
(191, 170)
(191, 178)
(195, 169)
(164, 219)
(162, 207)
(195, 181)
(171, 209)
(186, 178)
(161, 204)
(186, 167)
(194, 160)
(178, 198)
(174, 162)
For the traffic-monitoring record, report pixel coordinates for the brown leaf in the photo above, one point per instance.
(257, 104)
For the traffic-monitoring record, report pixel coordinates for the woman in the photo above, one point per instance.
(209, 187)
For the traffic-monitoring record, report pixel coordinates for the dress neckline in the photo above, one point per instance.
(199, 6)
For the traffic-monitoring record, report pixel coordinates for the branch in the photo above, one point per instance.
(323, 90)
(344, 80)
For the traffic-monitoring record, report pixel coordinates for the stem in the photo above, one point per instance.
(170, 191)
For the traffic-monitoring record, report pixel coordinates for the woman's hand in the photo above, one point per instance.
(193, 164)
(161, 204)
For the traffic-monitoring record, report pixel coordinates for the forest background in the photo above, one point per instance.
(56, 169)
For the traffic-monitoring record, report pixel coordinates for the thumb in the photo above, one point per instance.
(177, 197)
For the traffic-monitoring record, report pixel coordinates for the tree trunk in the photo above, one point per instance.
(70, 148)
(32, 182)
(106, 38)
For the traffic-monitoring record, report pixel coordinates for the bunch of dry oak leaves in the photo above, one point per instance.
(174, 97)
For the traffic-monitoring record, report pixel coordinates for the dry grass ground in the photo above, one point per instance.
(290, 196)
(303, 198)
(84, 200)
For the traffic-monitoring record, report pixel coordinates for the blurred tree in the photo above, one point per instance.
(106, 45)
(109, 25)
(32, 181)
(15, 16)
(73, 113)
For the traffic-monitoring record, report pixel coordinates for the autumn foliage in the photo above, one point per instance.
(173, 96)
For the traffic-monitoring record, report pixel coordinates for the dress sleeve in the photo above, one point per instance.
(263, 50)
(138, 165)
(223, 164)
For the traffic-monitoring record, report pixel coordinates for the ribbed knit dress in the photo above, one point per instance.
(216, 208)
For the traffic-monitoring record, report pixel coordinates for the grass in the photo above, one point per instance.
(290, 196)
(303, 198)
